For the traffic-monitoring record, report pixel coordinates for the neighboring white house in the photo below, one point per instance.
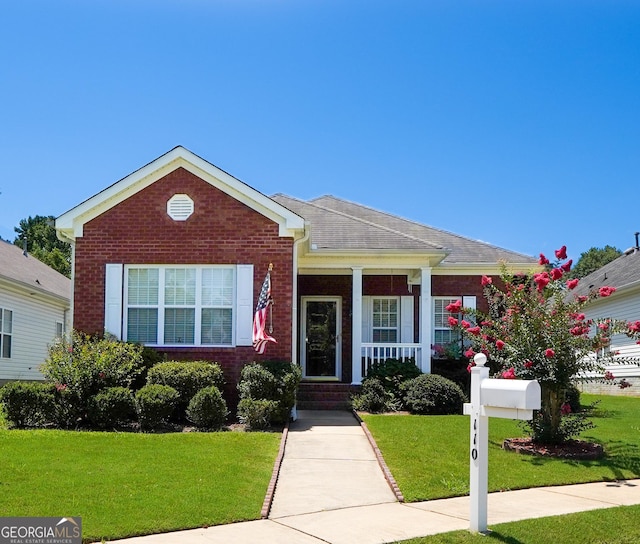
(624, 304)
(34, 310)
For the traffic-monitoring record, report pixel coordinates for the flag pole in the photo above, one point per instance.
(271, 306)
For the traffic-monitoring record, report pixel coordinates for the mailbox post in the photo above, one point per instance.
(511, 399)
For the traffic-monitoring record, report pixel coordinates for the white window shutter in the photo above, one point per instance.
(113, 300)
(366, 318)
(469, 302)
(406, 319)
(244, 305)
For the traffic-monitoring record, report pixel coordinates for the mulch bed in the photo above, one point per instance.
(572, 449)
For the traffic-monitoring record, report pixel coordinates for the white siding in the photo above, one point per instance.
(625, 308)
(34, 328)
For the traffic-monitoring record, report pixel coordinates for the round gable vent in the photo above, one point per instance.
(180, 207)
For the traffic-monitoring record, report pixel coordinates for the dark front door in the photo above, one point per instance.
(321, 337)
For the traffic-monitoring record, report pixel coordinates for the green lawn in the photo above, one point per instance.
(429, 455)
(611, 526)
(125, 484)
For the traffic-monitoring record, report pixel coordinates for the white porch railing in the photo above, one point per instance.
(378, 352)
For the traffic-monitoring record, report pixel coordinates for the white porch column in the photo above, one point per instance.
(425, 319)
(356, 327)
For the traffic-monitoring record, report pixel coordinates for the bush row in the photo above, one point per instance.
(103, 383)
(395, 384)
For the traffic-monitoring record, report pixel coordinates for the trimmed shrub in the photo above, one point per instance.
(207, 409)
(28, 404)
(433, 394)
(187, 378)
(112, 407)
(155, 404)
(393, 372)
(374, 398)
(274, 381)
(257, 414)
(86, 365)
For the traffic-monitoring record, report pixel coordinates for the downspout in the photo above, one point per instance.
(294, 302)
(72, 241)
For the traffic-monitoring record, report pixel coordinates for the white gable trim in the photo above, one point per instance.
(71, 223)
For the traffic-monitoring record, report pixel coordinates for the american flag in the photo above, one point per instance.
(260, 337)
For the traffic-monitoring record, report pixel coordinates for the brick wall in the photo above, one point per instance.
(222, 230)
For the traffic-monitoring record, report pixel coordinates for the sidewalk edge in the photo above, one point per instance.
(383, 465)
(268, 499)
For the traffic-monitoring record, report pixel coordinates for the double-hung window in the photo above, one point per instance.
(442, 333)
(385, 319)
(180, 305)
(6, 332)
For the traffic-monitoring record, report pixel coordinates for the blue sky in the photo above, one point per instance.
(516, 123)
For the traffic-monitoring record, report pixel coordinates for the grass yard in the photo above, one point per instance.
(610, 526)
(429, 455)
(125, 484)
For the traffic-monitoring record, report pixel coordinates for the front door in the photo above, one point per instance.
(321, 335)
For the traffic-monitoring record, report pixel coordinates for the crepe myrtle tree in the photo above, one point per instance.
(536, 330)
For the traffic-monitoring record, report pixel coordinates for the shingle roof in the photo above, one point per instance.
(622, 272)
(29, 272)
(340, 224)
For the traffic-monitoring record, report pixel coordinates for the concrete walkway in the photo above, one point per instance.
(332, 490)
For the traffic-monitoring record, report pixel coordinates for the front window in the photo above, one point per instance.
(6, 332)
(180, 305)
(385, 320)
(442, 333)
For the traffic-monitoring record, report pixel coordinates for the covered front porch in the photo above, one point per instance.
(350, 319)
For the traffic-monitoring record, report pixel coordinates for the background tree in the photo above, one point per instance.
(593, 259)
(43, 243)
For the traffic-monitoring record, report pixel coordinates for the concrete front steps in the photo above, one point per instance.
(325, 396)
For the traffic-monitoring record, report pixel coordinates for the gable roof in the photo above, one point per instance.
(340, 224)
(28, 273)
(70, 224)
(622, 273)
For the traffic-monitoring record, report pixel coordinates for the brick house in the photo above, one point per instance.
(174, 256)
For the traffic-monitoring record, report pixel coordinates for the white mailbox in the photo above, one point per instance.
(515, 399)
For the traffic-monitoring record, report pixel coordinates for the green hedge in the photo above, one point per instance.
(433, 394)
(207, 409)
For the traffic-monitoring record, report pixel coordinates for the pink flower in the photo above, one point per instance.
(528, 364)
(452, 321)
(582, 298)
(454, 307)
(578, 330)
(609, 376)
(470, 366)
(561, 253)
(474, 330)
(567, 266)
(509, 374)
(486, 280)
(634, 327)
(549, 353)
(606, 291)
(465, 324)
(541, 280)
(102, 375)
(565, 409)
(469, 353)
(572, 284)
(543, 260)
(61, 386)
(499, 344)
(603, 326)
(556, 274)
